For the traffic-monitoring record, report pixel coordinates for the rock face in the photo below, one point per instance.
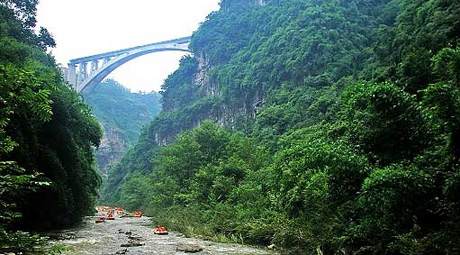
(113, 146)
(189, 248)
(204, 102)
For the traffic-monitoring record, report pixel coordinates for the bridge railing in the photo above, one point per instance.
(118, 52)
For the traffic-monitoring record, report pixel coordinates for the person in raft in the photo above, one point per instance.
(159, 229)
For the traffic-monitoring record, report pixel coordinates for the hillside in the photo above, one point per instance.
(48, 177)
(122, 115)
(324, 127)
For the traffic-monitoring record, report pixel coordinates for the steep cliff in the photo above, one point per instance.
(113, 146)
(250, 51)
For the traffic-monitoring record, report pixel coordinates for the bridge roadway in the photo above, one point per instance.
(84, 79)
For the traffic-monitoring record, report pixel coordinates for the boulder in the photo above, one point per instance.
(124, 251)
(132, 243)
(189, 248)
(135, 238)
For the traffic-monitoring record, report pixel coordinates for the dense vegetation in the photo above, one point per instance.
(47, 136)
(122, 115)
(116, 106)
(338, 129)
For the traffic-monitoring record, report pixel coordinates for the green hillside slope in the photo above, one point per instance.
(122, 115)
(332, 128)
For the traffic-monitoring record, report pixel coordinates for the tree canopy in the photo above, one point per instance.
(47, 136)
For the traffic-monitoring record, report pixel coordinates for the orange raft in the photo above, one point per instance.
(100, 219)
(160, 231)
(137, 214)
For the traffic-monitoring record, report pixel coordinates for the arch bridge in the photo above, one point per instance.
(87, 72)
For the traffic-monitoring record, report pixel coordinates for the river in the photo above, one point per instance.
(106, 238)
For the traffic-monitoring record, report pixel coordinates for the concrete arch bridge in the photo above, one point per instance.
(87, 72)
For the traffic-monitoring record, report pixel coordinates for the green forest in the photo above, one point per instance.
(322, 127)
(48, 176)
(117, 107)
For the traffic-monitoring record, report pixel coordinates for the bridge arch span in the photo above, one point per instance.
(101, 65)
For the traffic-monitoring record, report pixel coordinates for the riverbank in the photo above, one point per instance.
(136, 236)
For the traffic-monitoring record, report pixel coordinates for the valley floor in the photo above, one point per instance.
(106, 238)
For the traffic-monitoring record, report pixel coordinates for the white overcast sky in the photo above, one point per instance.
(87, 27)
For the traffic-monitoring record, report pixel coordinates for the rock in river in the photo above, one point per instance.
(132, 243)
(124, 251)
(189, 248)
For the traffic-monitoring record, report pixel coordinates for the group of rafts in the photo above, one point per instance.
(110, 213)
(118, 211)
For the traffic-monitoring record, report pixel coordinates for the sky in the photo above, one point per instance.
(87, 27)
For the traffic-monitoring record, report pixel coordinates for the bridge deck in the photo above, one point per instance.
(118, 52)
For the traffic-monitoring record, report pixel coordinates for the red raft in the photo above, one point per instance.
(137, 214)
(160, 231)
(110, 216)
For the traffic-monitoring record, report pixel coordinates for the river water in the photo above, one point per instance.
(106, 238)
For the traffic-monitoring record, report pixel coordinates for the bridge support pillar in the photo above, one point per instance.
(94, 66)
(72, 75)
(83, 72)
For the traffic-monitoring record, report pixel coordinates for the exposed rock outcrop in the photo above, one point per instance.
(112, 148)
